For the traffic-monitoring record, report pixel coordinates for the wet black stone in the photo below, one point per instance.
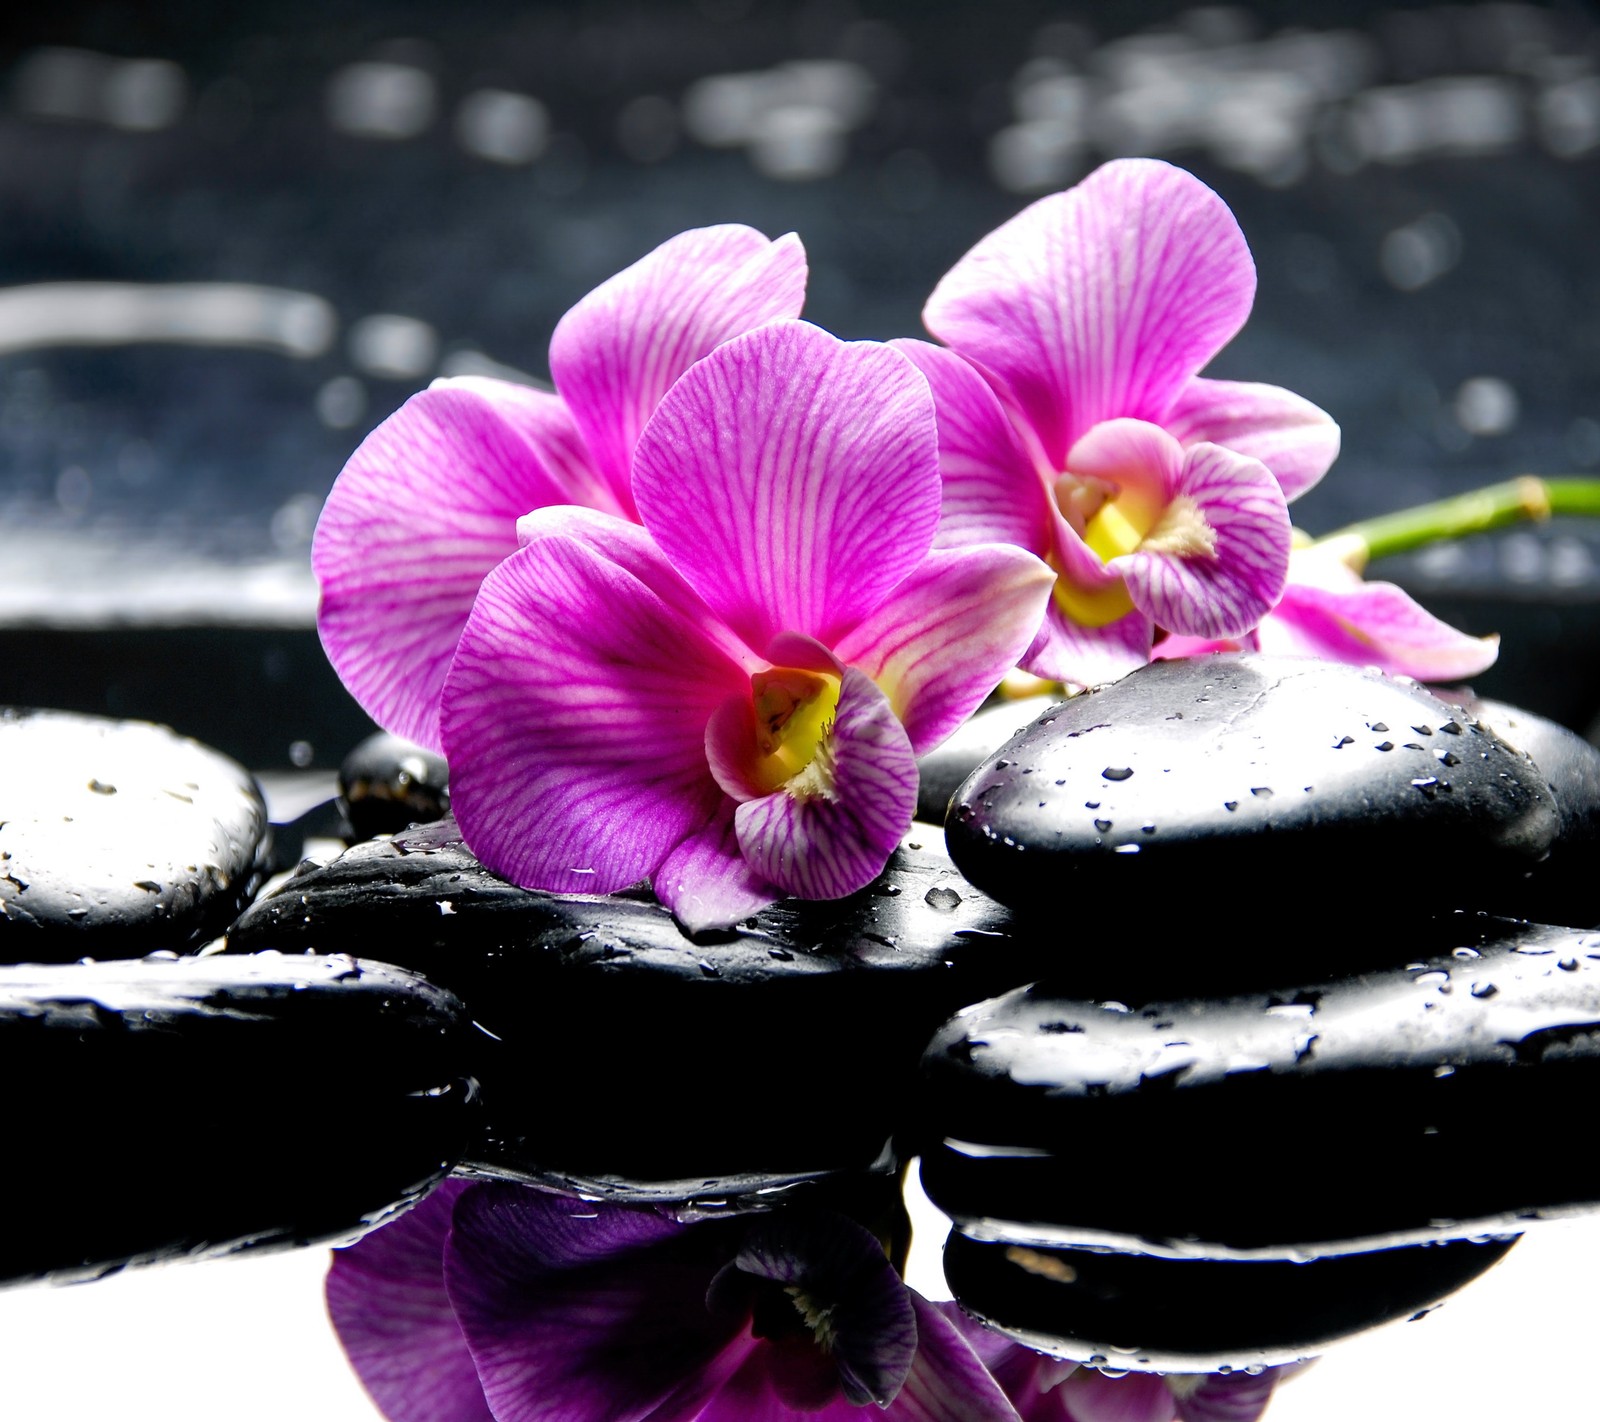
(174, 1108)
(1141, 1313)
(118, 838)
(386, 784)
(1193, 806)
(621, 1056)
(1426, 1102)
(980, 736)
(1568, 884)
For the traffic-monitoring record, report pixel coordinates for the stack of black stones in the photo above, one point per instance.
(1252, 1006)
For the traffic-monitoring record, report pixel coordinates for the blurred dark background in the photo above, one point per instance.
(377, 194)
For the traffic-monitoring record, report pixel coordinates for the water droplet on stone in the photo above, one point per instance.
(1117, 772)
(1344, 741)
(1262, 792)
(1102, 825)
(1385, 745)
(943, 899)
(1484, 989)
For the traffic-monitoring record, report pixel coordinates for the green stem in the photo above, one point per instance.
(1515, 501)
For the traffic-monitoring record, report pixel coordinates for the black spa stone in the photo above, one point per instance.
(1140, 1313)
(942, 770)
(172, 1108)
(1427, 1102)
(1206, 804)
(118, 838)
(387, 783)
(619, 1055)
(1569, 880)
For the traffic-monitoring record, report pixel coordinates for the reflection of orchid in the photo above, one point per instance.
(1072, 421)
(1045, 1390)
(429, 503)
(732, 698)
(1327, 611)
(498, 1301)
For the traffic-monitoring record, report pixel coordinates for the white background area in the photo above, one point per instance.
(246, 1340)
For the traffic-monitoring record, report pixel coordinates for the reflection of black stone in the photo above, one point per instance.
(1430, 1101)
(387, 783)
(118, 838)
(1194, 803)
(165, 1109)
(1199, 1315)
(622, 1053)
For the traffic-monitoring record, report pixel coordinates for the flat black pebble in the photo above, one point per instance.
(621, 1056)
(172, 1108)
(1210, 803)
(942, 770)
(1568, 885)
(1432, 1101)
(1146, 1314)
(118, 838)
(386, 784)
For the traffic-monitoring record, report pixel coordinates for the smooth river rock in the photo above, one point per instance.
(1569, 880)
(176, 1108)
(942, 771)
(1140, 1313)
(118, 838)
(622, 1056)
(1277, 814)
(1437, 1100)
(387, 783)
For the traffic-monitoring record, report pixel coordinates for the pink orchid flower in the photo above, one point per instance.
(1327, 611)
(731, 698)
(1073, 422)
(430, 501)
(1044, 1389)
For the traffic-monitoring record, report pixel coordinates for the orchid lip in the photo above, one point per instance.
(794, 714)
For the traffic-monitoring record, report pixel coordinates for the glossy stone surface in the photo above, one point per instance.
(943, 769)
(1569, 880)
(118, 838)
(173, 1108)
(1432, 1101)
(1198, 805)
(621, 1056)
(387, 783)
(1199, 1315)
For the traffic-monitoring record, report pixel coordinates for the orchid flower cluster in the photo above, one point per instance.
(694, 615)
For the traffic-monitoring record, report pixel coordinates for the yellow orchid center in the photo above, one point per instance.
(794, 719)
(1113, 522)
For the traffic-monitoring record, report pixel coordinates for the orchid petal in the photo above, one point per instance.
(1173, 647)
(1080, 656)
(544, 419)
(792, 479)
(1295, 439)
(1141, 459)
(706, 882)
(619, 350)
(387, 1299)
(823, 846)
(838, 1269)
(1226, 591)
(426, 506)
(948, 1381)
(943, 639)
(1228, 1397)
(992, 490)
(581, 1312)
(1089, 1396)
(574, 720)
(753, 1393)
(1374, 624)
(1100, 301)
